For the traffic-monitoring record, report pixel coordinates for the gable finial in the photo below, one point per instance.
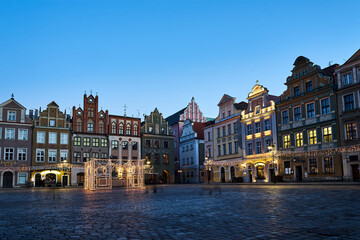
(125, 110)
(90, 91)
(257, 81)
(12, 96)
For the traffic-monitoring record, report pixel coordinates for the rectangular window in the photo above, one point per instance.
(77, 141)
(95, 142)
(91, 112)
(9, 154)
(257, 127)
(208, 136)
(148, 143)
(296, 91)
(327, 135)
(104, 142)
(52, 156)
(114, 144)
(101, 128)
(224, 149)
(309, 86)
(287, 168)
(310, 110)
(156, 144)
(22, 177)
(64, 155)
(90, 127)
(9, 133)
(312, 137)
(230, 148)
(285, 117)
(23, 134)
(248, 129)
(349, 102)
(218, 132)
(219, 150)
(299, 139)
(125, 145)
(134, 146)
(0, 133)
(86, 157)
(22, 154)
(229, 129)
(235, 128)
(52, 137)
(52, 123)
(86, 142)
(11, 116)
(40, 137)
(95, 155)
(77, 157)
(268, 142)
(347, 79)
(135, 130)
(157, 158)
(351, 131)
(40, 155)
(258, 149)
(325, 106)
(249, 149)
(267, 124)
(166, 144)
(64, 138)
(297, 114)
(104, 155)
(313, 165)
(286, 141)
(223, 131)
(328, 165)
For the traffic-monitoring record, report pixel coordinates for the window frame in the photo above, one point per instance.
(10, 153)
(287, 143)
(312, 137)
(12, 137)
(295, 114)
(27, 134)
(297, 140)
(50, 138)
(287, 117)
(322, 108)
(327, 135)
(307, 110)
(18, 154)
(36, 155)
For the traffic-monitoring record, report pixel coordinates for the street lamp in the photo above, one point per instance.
(272, 149)
(207, 165)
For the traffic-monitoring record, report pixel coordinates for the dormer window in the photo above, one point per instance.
(347, 79)
(257, 109)
(11, 116)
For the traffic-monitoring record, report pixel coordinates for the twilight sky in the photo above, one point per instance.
(160, 53)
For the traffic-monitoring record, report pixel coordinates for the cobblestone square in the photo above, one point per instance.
(183, 212)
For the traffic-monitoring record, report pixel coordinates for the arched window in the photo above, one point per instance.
(113, 128)
(78, 125)
(128, 129)
(136, 131)
(232, 172)
(121, 128)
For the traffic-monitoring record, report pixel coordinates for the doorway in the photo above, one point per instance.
(232, 173)
(38, 181)
(222, 175)
(165, 176)
(65, 180)
(272, 175)
(355, 172)
(250, 175)
(80, 177)
(8, 180)
(298, 173)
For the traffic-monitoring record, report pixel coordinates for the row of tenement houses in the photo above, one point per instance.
(309, 133)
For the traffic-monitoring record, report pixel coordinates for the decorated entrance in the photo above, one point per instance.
(105, 173)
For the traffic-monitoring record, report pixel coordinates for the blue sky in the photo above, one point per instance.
(148, 54)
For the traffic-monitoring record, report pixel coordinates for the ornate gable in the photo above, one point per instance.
(257, 90)
(225, 98)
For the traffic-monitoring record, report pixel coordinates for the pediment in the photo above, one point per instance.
(225, 99)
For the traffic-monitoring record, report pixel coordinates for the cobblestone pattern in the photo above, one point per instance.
(183, 212)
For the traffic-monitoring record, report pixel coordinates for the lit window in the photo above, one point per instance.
(328, 165)
(313, 165)
(287, 168)
(166, 158)
(351, 131)
(114, 144)
(77, 141)
(312, 137)
(77, 157)
(299, 139)
(103, 142)
(286, 141)
(90, 127)
(327, 135)
(95, 142)
(86, 157)
(22, 178)
(86, 142)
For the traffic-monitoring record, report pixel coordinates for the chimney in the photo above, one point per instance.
(36, 113)
(31, 114)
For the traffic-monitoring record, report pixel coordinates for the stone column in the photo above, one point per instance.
(354, 74)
